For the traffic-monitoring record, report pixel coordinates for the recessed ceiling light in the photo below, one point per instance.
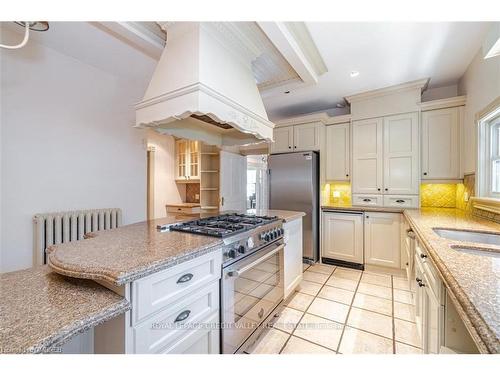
(287, 92)
(354, 73)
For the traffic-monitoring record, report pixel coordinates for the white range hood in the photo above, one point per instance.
(203, 87)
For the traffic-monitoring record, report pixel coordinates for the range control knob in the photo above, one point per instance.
(273, 234)
(282, 231)
(241, 249)
(267, 237)
(232, 253)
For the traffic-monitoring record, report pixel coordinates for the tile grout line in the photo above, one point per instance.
(393, 326)
(303, 313)
(348, 312)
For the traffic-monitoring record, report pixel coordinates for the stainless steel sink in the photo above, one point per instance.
(477, 251)
(469, 236)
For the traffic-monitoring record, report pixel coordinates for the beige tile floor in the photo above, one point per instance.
(344, 311)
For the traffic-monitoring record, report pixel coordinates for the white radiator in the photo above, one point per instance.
(60, 227)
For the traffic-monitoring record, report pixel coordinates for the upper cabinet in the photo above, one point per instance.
(401, 156)
(338, 152)
(367, 156)
(187, 161)
(301, 137)
(385, 155)
(441, 144)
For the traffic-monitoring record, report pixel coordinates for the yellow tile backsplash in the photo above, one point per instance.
(438, 195)
(337, 193)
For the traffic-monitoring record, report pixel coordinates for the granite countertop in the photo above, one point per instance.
(41, 309)
(474, 280)
(282, 214)
(348, 207)
(130, 252)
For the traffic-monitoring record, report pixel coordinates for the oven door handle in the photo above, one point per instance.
(236, 273)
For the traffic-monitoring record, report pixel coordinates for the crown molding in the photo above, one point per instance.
(455, 101)
(407, 86)
(321, 117)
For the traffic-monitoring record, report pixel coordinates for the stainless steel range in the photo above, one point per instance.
(252, 272)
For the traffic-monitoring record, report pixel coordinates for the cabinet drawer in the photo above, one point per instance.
(406, 201)
(201, 341)
(367, 200)
(429, 271)
(183, 210)
(161, 330)
(154, 293)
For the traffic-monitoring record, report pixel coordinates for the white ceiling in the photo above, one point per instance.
(385, 54)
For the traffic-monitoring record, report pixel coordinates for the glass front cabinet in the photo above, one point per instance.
(187, 161)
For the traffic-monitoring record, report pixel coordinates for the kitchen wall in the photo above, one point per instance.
(67, 142)
(165, 188)
(440, 93)
(481, 84)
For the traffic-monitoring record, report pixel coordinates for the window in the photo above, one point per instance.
(489, 154)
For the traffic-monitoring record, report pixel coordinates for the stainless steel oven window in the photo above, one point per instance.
(251, 289)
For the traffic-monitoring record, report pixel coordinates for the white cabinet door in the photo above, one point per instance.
(306, 137)
(233, 182)
(441, 144)
(367, 154)
(383, 239)
(401, 162)
(283, 140)
(293, 255)
(342, 237)
(432, 322)
(337, 152)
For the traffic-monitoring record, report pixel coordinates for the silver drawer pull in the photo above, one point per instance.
(182, 316)
(185, 278)
(367, 200)
(400, 201)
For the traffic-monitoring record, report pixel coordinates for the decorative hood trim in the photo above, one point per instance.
(203, 71)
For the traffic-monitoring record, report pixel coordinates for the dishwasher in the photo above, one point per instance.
(342, 238)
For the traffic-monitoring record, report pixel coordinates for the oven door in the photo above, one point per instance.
(251, 289)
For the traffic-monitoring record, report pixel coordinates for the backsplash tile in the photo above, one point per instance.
(438, 195)
(337, 193)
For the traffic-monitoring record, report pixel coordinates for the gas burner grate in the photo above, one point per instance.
(223, 225)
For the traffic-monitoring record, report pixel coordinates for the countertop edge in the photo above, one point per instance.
(128, 277)
(479, 330)
(364, 209)
(68, 332)
(296, 216)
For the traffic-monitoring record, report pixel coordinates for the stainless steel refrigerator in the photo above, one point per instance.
(294, 185)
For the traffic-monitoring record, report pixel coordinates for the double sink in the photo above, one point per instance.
(483, 238)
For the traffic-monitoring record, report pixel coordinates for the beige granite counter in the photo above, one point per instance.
(130, 252)
(133, 251)
(40, 309)
(282, 214)
(349, 207)
(474, 280)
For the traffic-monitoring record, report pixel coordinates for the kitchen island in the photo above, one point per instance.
(165, 276)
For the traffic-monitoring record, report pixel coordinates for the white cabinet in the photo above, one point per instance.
(342, 236)
(383, 239)
(367, 155)
(337, 152)
(441, 144)
(293, 255)
(302, 137)
(187, 161)
(283, 139)
(401, 164)
(306, 137)
(386, 155)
